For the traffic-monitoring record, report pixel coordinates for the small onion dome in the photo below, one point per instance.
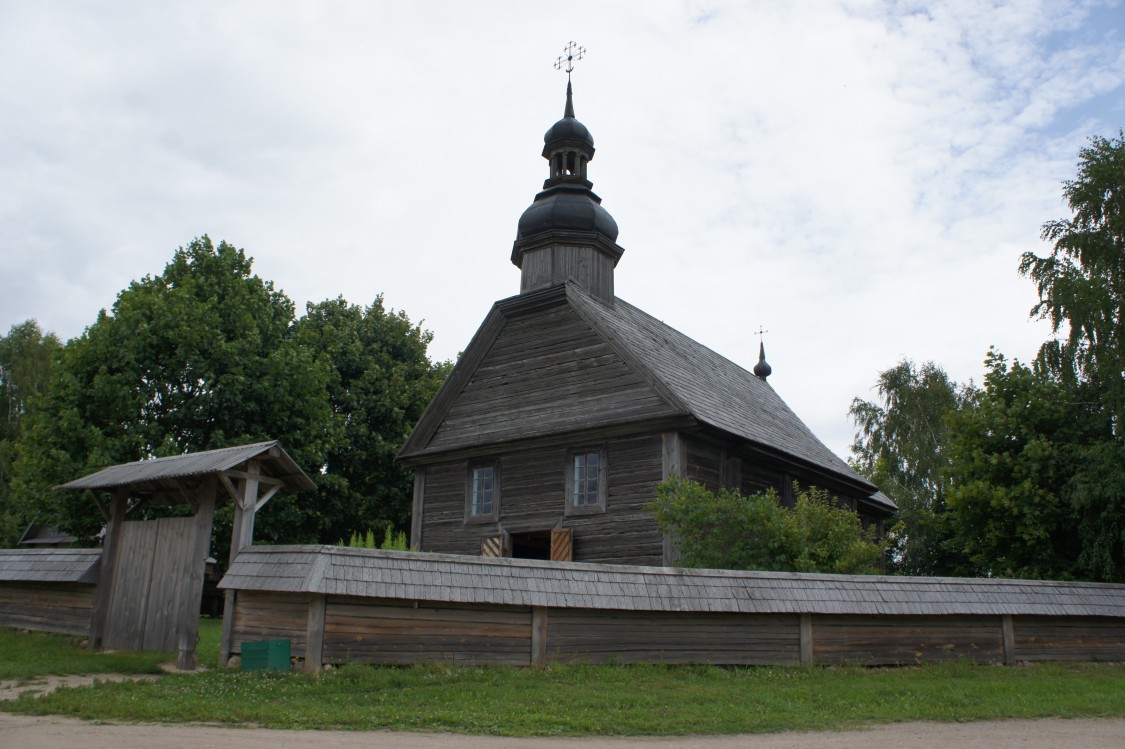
(568, 128)
(564, 209)
(762, 369)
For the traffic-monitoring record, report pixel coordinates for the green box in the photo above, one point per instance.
(265, 655)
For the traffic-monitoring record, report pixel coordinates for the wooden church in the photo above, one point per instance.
(570, 405)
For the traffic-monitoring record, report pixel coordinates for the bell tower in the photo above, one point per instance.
(565, 234)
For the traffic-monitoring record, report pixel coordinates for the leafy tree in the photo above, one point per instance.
(1038, 482)
(1081, 283)
(26, 358)
(199, 357)
(726, 530)
(379, 382)
(901, 446)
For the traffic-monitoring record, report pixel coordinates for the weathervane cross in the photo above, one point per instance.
(573, 52)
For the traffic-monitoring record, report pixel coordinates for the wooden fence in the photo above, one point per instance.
(348, 605)
(48, 590)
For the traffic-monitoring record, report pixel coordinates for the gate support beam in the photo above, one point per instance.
(108, 572)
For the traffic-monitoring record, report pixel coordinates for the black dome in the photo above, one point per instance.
(566, 210)
(569, 129)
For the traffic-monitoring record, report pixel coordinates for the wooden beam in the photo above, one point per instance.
(100, 504)
(416, 511)
(1009, 639)
(225, 643)
(314, 635)
(232, 490)
(246, 507)
(538, 635)
(266, 498)
(188, 607)
(268, 480)
(806, 640)
(99, 619)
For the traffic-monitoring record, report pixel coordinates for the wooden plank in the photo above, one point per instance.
(538, 636)
(99, 620)
(1009, 635)
(314, 637)
(418, 508)
(806, 640)
(562, 544)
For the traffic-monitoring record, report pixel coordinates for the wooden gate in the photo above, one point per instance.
(158, 588)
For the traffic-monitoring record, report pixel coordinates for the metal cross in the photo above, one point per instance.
(573, 52)
(761, 332)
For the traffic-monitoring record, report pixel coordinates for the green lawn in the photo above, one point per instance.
(557, 700)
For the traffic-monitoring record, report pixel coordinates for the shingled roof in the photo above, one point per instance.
(50, 565)
(334, 570)
(692, 378)
(155, 471)
(715, 390)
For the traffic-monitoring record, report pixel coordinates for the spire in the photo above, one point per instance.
(569, 111)
(762, 369)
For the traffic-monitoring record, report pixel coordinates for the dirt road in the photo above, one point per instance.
(61, 733)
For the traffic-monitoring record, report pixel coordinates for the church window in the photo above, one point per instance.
(482, 495)
(586, 480)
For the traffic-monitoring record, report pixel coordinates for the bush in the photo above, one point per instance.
(727, 530)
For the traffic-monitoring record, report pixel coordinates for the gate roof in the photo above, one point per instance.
(162, 475)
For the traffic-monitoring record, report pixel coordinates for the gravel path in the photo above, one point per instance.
(52, 732)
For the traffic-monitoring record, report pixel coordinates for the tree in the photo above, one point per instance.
(1081, 283)
(199, 357)
(1038, 482)
(726, 530)
(26, 358)
(380, 380)
(901, 446)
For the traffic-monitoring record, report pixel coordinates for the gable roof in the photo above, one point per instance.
(154, 471)
(694, 380)
(715, 390)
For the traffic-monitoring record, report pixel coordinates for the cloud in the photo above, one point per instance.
(858, 177)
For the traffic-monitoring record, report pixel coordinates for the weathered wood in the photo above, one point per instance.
(64, 608)
(806, 640)
(672, 637)
(1009, 634)
(1048, 638)
(546, 371)
(418, 508)
(562, 544)
(187, 613)
(226, 642)
(375, 633)
(110, 559)
(891, 640)
(538, 635)
(314, 637)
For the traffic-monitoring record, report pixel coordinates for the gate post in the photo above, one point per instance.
(99, 618)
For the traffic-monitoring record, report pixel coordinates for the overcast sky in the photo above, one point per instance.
(858, 177)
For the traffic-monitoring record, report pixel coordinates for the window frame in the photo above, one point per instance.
(470, 470)
(569, 508)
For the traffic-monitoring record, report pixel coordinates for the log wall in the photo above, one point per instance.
(533, 497)
(64, 608)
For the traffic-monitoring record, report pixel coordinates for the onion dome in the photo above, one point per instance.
(762, 369)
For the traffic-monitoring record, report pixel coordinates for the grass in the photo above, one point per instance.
(581, 700)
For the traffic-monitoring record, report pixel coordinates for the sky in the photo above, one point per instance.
(859, 178)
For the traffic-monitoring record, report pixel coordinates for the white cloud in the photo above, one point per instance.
(859, 177)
